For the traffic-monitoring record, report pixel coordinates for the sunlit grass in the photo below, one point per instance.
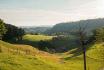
(10, 59)
(96, 51)
(37, 37)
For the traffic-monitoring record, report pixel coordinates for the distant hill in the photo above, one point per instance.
(70, 27)
(35, 29)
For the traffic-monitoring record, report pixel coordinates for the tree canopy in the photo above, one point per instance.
(2, 28)
(99, 34)
(13, 33)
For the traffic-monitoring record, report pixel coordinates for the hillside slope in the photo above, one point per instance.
(25, 57)
(96, 51)
(70, 27)
(94, 57)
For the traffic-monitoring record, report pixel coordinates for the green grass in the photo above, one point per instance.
(94, 57)
(17, 62)
(37, 37)
(96, 51)
(76, 63)
(10, 59)
(35, 60)
(34, 40)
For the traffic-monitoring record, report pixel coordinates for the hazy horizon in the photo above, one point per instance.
(45, 12)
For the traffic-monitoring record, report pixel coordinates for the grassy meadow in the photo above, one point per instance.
(25, 57)
(36, 37)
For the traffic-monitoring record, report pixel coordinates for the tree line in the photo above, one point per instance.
(10, 32)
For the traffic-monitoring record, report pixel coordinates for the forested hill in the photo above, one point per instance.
(35, 30)
(73, 26)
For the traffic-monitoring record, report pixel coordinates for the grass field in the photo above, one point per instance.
(14, 57)
(25, 57)
(64, 43)
(96, 51)
(37, 37)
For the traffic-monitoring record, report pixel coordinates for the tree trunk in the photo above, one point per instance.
(84, 57)
(0, 37)
(84, 53)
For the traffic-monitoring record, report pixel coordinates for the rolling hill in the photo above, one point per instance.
(71, 27)
(96, 51)
(25, 57)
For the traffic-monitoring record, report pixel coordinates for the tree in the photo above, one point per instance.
(44, 45)
(2, 28)
(20, 33)
(13, 33)
(82, 38)
(99, 34)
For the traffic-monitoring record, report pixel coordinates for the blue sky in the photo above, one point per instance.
(49, 12)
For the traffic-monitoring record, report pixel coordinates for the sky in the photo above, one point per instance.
(49, 12)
